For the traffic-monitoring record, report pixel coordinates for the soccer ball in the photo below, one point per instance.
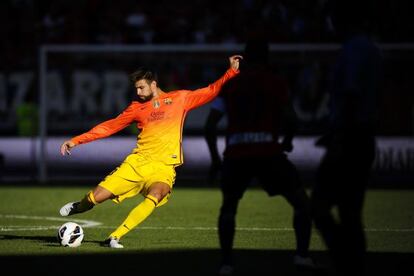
(70, 234)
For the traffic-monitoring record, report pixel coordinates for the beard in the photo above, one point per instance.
(144, 99)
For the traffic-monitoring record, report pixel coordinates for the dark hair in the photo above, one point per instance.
(256, 51)
(143, 74)
(351, 15)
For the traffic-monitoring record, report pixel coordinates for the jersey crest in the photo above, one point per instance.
(168, 101)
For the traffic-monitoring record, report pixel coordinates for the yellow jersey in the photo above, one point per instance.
(160, 121)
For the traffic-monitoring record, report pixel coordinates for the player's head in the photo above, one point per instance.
(256, 51)
(350, 17)
(145, 83)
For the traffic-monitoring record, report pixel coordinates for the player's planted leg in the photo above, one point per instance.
(302, 223)
(113, 243)
(135, 217)
(227, 225)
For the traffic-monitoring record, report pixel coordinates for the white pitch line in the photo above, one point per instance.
(95, 224)
(202, 228)
(263, 229)
(10, 228)
(82, 222)
(389, 230)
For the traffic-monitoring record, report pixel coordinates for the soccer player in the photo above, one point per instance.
(150, 169)
(257, 106)
(344, 171)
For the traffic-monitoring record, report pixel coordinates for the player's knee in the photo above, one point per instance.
(320, 216)
(302, 212)
(228, 210)
(100, 194)
(159, 191)
(319, 208)
(303, 208)
(158, 195)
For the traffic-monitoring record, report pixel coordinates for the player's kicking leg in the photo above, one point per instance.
(92, 198)
(77, 207)
(70, 208)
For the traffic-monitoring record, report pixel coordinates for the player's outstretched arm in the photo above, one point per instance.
(235, 61)
(203, 95)
(66, 147)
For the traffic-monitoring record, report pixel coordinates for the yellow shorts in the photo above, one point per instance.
(135, 175)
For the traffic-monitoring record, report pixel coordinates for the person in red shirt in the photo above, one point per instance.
(257, 106)
(150, 169)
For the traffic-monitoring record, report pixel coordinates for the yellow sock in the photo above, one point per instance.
(136, 216)
(86, 203)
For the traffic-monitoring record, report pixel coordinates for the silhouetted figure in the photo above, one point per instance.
(258, 109)
(344, 170)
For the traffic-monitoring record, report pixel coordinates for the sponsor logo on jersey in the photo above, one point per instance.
(156, 116)
(156, 104)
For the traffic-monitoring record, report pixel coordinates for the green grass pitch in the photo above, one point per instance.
(181, 236)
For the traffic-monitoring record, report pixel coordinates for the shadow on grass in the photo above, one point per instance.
(47, 240)
(188, 262)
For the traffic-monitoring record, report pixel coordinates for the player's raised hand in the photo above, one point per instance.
(235, 61)
(66, 147)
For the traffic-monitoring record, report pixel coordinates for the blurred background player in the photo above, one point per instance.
(344, 170)
(150, 169)
(257, 106)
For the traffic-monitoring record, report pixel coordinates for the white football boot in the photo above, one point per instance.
(69, 209)
(113, 243)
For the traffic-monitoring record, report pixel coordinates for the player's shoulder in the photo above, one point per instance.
(135, 103)
(175, 94)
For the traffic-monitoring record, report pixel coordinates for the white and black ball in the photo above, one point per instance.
(70, 234)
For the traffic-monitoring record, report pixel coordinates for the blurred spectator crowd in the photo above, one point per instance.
(25, 24)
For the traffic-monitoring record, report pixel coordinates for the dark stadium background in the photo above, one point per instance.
(27, 25)
(173, 36)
